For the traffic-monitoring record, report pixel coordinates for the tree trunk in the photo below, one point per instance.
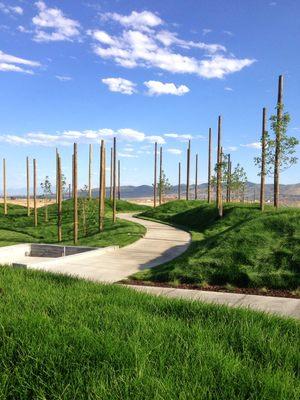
(102, 187)
(111, 175)
(114, 181)
(188, 159)
(160, 176)
(119, 180)
(155, 175)
(34, 192)
(196, 178)
(59, 198)
(219, 170)
(28, 186)
(75, 219)
(179, 181)
(90, 170)
(278, 142)
(209, 166)
(263, 161)
(4, 188)
(228, 179)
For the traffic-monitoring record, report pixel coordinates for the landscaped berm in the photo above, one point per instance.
(63, 338)
(246, 248)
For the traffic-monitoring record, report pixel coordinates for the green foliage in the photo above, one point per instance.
(286, 145)
(245, 248)
(65, 338)
(164, 184)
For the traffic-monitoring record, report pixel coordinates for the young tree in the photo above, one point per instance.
(279, 150)
(83, 201)
(239, 181)
(164, 185)
(46, 188)
(64, 186)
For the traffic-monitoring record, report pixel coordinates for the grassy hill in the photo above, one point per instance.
(65, 338)
(246, 248)
(16, 227)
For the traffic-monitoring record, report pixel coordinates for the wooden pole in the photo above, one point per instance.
(56, 183)
(219, 170)
(114, 181)
(179, 180)
(73, 175)
(102, 187)
(4, 188)
(196, 178)
(111, 174)
(209, 166)
(160, 175)
(90, 170)
(278, 142)
(188, 160)
(28, 186)
(59, 198)
(155, 175)
(75, 194)
(34, 192)
(119, 180)
(228, 179)
(263, 160)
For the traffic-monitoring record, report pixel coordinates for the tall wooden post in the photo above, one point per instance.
(35, 192)
(56, 181)
(75, 194)
(111, 174)
(188, 160)
(219, 170)
(102, 186)
(278, 142)
(160, 175)
(119, 180)
(179, 180)
(59, 198)
(228, 183)
(90, 170)
(115, 181)
(155, 175)
(4, 188)
(263, 160)
(28, 186)
(209, 166)
(196, 178)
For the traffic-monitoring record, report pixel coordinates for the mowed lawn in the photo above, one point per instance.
(65, 338)
(17, 227)
(246, 248)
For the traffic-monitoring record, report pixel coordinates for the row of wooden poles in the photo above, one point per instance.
(115, 192)
(220, 155)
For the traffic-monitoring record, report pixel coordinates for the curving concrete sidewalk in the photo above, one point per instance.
(160, 244)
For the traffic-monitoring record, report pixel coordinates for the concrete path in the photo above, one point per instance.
(160, 244)
(275, 305)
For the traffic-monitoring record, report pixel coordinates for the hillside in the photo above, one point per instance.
(246, 248)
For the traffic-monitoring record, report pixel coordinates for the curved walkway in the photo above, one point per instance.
(160, 244)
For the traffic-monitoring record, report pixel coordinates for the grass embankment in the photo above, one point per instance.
(63, 338)
(247, 248)
(17, 227)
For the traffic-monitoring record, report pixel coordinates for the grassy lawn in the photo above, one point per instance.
(246, 248)
(16, 227)
(64, 338)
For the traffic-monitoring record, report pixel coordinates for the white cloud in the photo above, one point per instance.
(120, 85)
(206, 31)
(228, 33)
(11, 10)
(63, 78)
(12, 64)
(254, 145)
(127, 155)
(138, 20)
(52, 25)
(144, 44)
(158, 88)
(180, 137)
(228, 89)
(174, 151)
(231, 148)
(153, 139)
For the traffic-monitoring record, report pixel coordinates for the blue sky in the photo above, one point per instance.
(143, 71)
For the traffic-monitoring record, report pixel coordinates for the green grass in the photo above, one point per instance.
(246, 248)
(64, 338)
(17, 227)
